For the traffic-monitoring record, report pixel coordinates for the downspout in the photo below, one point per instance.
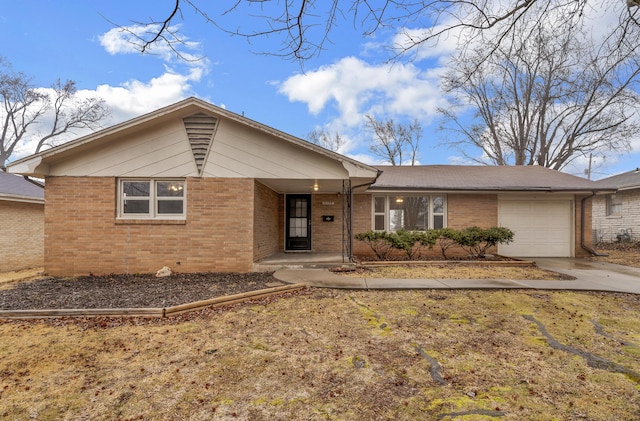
(351, 189)
(582, 244)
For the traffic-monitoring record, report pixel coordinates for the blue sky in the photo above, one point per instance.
(74, 39)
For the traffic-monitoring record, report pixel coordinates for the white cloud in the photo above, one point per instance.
(356, 88)
(129, 40)
(134, 97)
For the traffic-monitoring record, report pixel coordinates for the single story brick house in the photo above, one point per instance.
(197, 188)
(22, 216)
(617, 215)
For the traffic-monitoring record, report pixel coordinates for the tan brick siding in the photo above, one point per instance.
(266, 222)
(83, 236)
(22, 239)
(468, 210)
(326, 236)
(606, 228)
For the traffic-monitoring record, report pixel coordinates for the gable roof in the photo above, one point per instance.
(625, 181)
(479, 178)
(17, 189)
(40, 164)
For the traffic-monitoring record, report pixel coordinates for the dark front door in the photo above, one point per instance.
(298, 222)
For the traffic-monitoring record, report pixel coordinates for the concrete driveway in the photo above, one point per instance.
(591, 276)
(595, 276)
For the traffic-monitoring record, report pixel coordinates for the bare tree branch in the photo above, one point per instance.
(25, 107)
(547, 97)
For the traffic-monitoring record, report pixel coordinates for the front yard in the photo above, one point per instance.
(329, 354)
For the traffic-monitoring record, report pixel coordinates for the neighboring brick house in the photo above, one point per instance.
(198, 188)
(616, 216)
(22, 216)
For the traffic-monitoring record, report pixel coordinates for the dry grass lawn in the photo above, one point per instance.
(453, 271)
(339, 355)
(620, 256)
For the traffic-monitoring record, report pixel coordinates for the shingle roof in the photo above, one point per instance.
(624, 181)
(479, 178)
(15, 187)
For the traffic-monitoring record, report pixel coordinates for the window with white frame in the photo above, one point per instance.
(409, 212)
(150, 198)
(614, 205)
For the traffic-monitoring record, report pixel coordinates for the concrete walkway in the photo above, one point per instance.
(591, 276)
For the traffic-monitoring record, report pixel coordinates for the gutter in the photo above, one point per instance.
(582, 244)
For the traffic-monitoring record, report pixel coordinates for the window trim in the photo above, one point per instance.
(153, 198)
(611, 201)
(387, 207)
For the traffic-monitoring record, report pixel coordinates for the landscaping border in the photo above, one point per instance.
(512, 262)
(149, 312)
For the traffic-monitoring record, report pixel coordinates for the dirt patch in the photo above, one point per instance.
(129, 291)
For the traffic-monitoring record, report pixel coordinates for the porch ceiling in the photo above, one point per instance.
(289, 185)
(282, 185)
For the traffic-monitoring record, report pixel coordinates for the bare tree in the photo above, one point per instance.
(304, 26)
(396, 143)
(24, 107)
(332, 141)
(546, 96)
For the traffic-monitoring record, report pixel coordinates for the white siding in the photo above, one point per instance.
(163, 150)
(240, 151)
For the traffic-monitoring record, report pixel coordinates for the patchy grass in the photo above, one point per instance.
(336, 354)
(627, 254)
(9, 279)
(454, 271)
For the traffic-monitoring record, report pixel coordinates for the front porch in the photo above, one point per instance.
(283, 260)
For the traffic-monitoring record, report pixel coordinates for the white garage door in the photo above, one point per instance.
(542, 227)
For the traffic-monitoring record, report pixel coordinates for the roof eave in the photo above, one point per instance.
(20, 198)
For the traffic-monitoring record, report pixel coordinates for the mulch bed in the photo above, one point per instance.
(130, 291)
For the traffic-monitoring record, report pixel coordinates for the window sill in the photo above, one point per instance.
(614, 216)
(126, 221)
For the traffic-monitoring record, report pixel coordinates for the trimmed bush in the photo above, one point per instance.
(379, 242)
(474, 240)
(412, 242)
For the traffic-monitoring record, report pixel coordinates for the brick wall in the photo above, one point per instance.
(326, 236)
(83, 236)
(606, 228)
(22, 239)
(468, 210)
(266, 222)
